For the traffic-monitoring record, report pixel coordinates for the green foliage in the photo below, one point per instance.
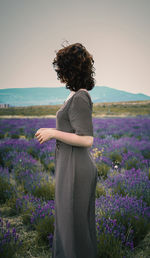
(117, 136)
(139, 137)
(125, 150)
(102, 169)
(136, 126)
(115, 157)
(23, 166)
(138, 224)
(132, 163)
(9, 250)
(2, 136)
(6, 190)
(7, 134)
(30, 110)
(119, 189)
(146, 153)
(140, 227)
(11, 203)
(15, 136)
(44, 228)
(102, 136)
(21, 130)
(108, 246)
(1, 160)
(139, 108)
(32, 151)
(100, 190)
(45, 190)
(26, 217)
(26, 214)
(51, 167)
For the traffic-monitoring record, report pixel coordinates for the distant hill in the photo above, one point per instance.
(54, 96)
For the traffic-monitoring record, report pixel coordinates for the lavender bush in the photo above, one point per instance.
(7, 189)
(9, 240)
(134, 182)
(121, 151)
(39, 215)
(127, 218)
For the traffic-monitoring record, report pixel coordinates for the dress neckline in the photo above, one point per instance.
(75, 92)
(68, 101)
(69, 96)
(72, 93)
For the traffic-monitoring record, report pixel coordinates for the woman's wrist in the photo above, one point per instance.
(72, 138)
(53, 133)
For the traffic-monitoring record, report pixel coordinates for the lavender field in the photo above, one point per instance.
(121, 151)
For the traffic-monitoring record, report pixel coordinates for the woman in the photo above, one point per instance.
(75, 170)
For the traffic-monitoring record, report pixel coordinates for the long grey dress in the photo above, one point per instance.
(75, 178)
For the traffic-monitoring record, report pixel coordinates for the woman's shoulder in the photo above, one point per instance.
(82, 97)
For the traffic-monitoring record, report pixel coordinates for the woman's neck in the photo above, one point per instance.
(83, 89)
(80, 89)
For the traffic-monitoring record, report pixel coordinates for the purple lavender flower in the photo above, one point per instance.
(9, 239)
(132, 183)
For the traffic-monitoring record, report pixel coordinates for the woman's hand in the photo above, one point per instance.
(45, 134)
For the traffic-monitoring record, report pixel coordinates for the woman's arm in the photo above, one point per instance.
(45, 134)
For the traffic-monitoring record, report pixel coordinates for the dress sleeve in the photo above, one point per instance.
(80, 115)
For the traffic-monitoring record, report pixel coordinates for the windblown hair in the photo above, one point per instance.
(74, 67)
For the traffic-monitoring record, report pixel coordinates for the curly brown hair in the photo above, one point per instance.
(74, 67)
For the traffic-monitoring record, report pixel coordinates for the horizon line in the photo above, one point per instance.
(66, 88)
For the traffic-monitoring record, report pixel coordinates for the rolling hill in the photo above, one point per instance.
(57, 95)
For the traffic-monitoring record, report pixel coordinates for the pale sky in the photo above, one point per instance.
(115, 32)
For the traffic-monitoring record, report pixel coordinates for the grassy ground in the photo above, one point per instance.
(130, 108)
(142, 250)
(32, 249)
